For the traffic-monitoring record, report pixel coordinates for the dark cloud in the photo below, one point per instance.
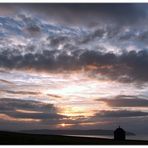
(136, 62)
(134, 35)
(126, 37)
(56, 40)
(38, 110)
(75, 54)
(143, 37)
(79, 13)
(88, 14)
(53, 95)
(13, 104)
(126, 101)
(127, 67)
(30, 93)
(106, 32)
(7, 9)
(98, 33)
(6, 82)
(22, 92)
(33, 30)
(97, 58)
(120, 113)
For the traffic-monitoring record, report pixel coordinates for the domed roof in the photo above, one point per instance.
(119, 129)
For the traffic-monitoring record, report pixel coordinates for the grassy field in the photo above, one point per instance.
(11, 138)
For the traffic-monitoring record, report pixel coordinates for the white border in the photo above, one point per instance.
(73, 1)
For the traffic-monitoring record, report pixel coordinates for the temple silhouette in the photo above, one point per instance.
(119, 134)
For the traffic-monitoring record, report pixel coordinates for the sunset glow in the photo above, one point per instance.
(63, 124)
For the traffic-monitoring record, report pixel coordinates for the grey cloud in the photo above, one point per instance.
(135, 35)
(22, 92)
(127, 67)
(125, 101)
(136, 63)
(78, 13)
(42, 116)
(143, 37)
(126, 37)
(120, 113)
(98, 33)
(7, 9)
(53, 95)
(42, 111)
(56, 40)
(98, 58)
(34, 30)
(29, 25)
(87, 14)
(7, 82)
(105, 32)
(12, 104)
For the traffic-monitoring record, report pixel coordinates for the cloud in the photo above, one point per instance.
(29, 109)
(57, 40)
(126, 67)
(71, 48)
(119, 113)
(22, 92)
(97, 33)
(81, 14)
(6, 82)
(33, 30)
(7, 9)
(89, 14)
(137, 35)
(125, 101)
(53, 95)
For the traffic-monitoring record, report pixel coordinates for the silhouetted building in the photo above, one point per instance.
(119, 134)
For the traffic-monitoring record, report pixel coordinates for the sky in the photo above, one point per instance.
(74, 66)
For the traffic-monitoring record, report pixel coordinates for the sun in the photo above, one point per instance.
(63, 125)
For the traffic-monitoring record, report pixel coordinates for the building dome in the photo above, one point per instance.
(119, 129)
(119, 134)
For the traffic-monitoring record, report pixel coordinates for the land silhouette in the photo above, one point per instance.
(40, 137)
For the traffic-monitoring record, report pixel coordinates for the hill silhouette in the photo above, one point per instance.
(13, 138)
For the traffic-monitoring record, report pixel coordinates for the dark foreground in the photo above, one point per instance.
(11, 138)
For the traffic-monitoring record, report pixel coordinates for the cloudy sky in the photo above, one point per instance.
(78, 66)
